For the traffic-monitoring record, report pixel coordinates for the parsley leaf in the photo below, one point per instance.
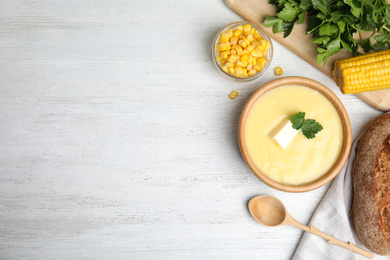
(322, 5)
(288, 13)
(309, 127)
(297, 120)
(277, 23)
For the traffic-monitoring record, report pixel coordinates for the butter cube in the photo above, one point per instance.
(283, 133)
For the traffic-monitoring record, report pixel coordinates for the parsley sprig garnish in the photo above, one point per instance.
(309, 127)
(332, 23)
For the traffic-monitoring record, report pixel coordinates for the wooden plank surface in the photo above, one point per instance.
(256, 10)
(118, 139)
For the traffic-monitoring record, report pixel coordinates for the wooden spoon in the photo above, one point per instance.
(270, 211)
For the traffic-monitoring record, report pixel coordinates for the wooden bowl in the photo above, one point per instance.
(346, 126)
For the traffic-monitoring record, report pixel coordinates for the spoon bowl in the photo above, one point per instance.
(267, 210)
(270, 211)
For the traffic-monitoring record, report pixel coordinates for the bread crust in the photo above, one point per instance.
(371, 182)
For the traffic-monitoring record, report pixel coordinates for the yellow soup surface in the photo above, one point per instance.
(303, 160)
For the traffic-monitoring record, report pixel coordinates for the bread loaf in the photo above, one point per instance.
(371, 183)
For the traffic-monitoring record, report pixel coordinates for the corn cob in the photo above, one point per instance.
(366, 72)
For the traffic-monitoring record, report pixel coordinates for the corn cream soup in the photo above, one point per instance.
(303, 160)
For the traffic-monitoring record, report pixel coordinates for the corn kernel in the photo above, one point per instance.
(249, 67)
(230, 33)
(242, 43)
(255, 44)
(224, 68)
(250, 37)
(257, 68)
(250, 48)
(233, 40)
(224, 37)
(244, 58)
(252, 31)
(221, 47)
(262, 61)
(254, 53)
(264, 43)
(240, 28)
(238, 70)
(236, 33)
(247, 27)
(224, 54)
(259, 48)
(254, 61)
(232, 58)
(233, 94)
(239, 64)
(252, 72)
(238, 49)
(257, 36)
(278, 71)
(228, 64)
(233, 52)
(232, 70)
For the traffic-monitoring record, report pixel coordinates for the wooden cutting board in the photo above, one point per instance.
(298, 42)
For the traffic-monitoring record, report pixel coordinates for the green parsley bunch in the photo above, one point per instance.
(334, 22)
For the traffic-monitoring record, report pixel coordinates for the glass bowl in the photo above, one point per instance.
(268, 55)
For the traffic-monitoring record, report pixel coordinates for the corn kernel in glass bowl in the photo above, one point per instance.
(242, 51)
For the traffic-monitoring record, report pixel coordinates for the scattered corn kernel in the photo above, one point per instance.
(233, 94)
(241, 51)
(278, 71)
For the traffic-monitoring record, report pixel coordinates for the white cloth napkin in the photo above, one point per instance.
(332, 217)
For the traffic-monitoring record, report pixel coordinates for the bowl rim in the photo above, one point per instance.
(263, 34)
(346, 124)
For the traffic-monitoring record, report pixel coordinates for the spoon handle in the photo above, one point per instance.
(338, 242)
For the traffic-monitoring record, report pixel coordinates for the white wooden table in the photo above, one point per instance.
(118, 139)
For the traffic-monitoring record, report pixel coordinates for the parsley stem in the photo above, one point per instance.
(385, 27)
